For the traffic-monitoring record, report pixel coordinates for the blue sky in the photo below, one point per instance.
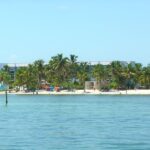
(92, 29)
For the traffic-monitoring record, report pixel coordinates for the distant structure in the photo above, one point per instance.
(92, 85)
(13, 68)
(92, 63)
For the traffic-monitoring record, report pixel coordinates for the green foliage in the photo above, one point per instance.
(82, 73)
(66, 72)
(5, 77)
(145, 77)
(113, 85)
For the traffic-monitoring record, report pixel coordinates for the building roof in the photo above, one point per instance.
(107, 62)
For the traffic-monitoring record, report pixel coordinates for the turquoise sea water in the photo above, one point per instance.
(75, 123)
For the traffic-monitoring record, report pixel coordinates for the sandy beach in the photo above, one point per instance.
(82, 92)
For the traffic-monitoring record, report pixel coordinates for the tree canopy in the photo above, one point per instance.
(69, 73)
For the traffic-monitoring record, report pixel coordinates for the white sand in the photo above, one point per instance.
(87, 92)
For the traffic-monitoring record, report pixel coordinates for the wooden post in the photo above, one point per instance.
(6, 97)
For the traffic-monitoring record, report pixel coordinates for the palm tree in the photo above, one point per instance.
(6, 68)
(58, 69)
(27, 77)
(138, 73)
(129, 76)
(116, 74)
(73, 66)
(32, 78)
(99, 73)
(82, 76)
(83, 73)
(40, 68)
(73, 59)
(5, 78)
(21, 77)
(145, 77)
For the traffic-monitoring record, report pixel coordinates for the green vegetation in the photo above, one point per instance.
(70, 74)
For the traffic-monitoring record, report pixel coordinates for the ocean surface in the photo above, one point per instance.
(75, 123)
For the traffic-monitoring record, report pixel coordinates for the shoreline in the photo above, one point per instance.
(82, 92)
